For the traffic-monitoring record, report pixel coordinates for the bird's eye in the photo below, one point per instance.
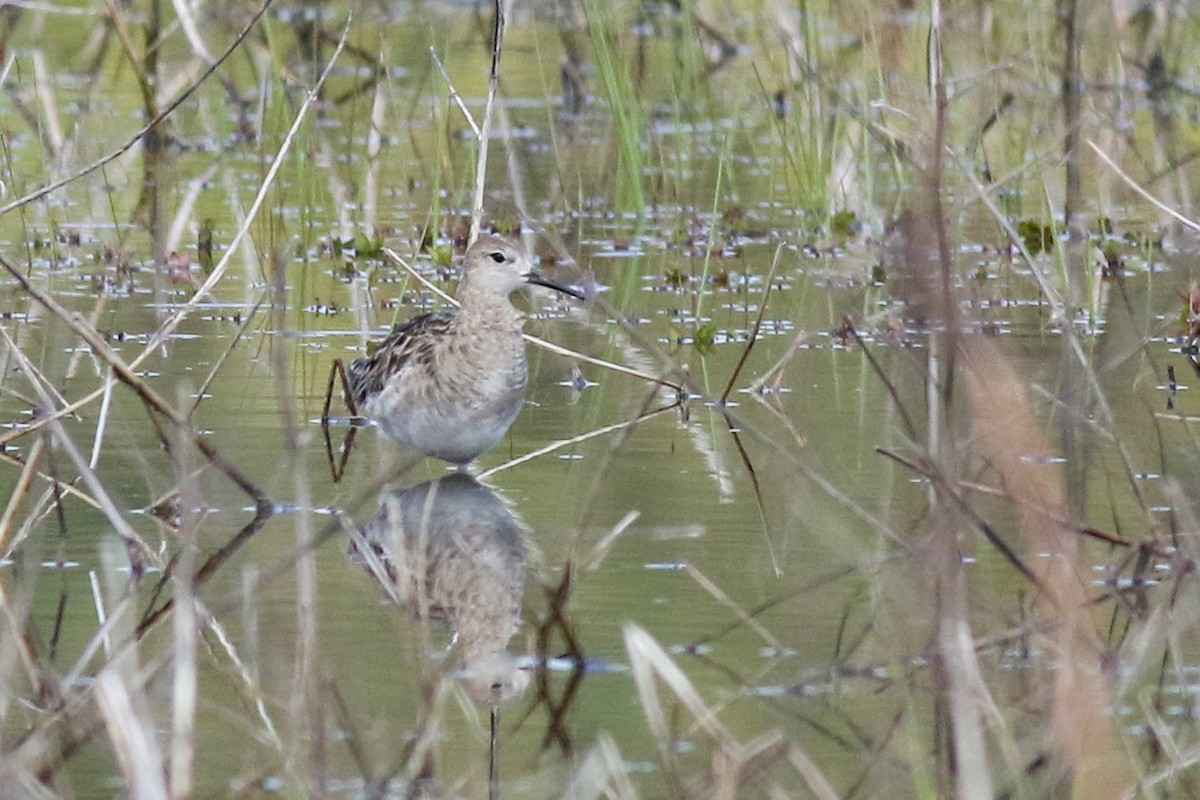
(497, 256)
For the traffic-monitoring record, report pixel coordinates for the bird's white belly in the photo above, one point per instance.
(455, 425)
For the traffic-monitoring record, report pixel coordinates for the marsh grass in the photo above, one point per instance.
(610, 54)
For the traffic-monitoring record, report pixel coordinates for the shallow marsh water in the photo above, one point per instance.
(780, 567)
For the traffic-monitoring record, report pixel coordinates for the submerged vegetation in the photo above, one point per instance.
(867, 467)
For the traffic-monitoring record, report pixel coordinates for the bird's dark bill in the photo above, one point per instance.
(541, 280)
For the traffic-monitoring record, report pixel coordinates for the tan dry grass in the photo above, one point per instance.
(1082, 732)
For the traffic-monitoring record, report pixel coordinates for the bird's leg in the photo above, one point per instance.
(339, 469)
(335, 370)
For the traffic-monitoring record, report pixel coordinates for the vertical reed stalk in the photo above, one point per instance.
(485, 128)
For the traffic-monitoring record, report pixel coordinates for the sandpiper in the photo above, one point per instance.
(450, 383)
(451, 550)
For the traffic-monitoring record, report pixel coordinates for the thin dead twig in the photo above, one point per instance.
(28, 470)
(762, 310)
(454, 95)
(583, 437)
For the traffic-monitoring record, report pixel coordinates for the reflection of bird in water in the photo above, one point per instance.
(450, 549)
(450, 383)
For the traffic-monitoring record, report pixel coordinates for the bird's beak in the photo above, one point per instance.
(533, 276)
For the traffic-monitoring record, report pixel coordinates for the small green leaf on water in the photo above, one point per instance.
(844, 224)
(1037, 238)
(675, 277)
(878, 275)
(706, 335)
(734, 219)
(1113, 267)
(204, 246)
(442, 255)
(1144, 241)
(1104, 226)
(368, 247)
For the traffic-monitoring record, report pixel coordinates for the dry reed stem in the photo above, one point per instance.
(156, 404)
(781, 416)
(49, 125)
(962, 686)
(599, 552)
(430, 731)
(725, 600)
(370, 190)
(372, 562)
(111, 619)
(185, 683)
(102, 419)
(191, 31)
(133, 737)
(454, 95)
(66, 410)
(485, 130)
(1160, 205)
(306, 695)
(1083, 732)
(202, 389)
(122, 527)
(184, 213)
(623, 425)
(762, 310)
(734, 764)
(14, 628)
(101, 611)
(75, 718)
(1058, 308)
(44, 505)
(516, 180)
(601, 773)
(78, 354)
(775, 371)
(50, 397)
(818, 784)
(145, 68)
(120, 691)
(250, 684)
(125, 372)
(733, 770)
(648, 659)
(17, 496)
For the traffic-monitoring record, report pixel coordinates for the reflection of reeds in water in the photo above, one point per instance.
(450, 549)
